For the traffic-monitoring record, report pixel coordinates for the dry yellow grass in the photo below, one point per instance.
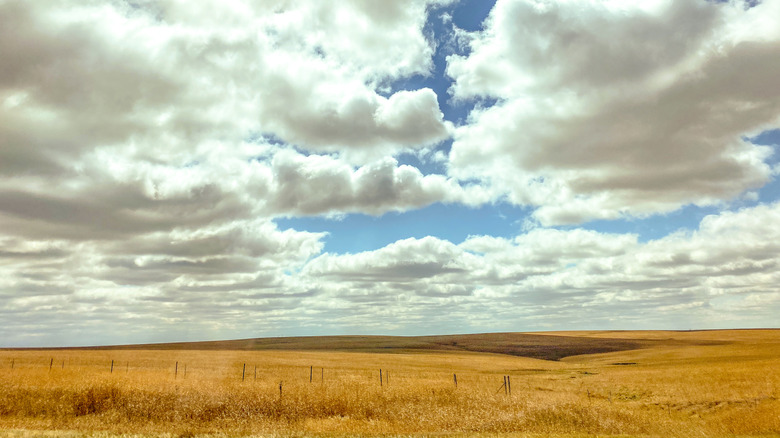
(726, 388)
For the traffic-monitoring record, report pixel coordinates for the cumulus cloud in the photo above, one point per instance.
(308, 185)
(140, 199)
(150, 279)
(155, 116)
(126, 75)
(408, 259)
(575, 278)
(587, 128)
(279, 281)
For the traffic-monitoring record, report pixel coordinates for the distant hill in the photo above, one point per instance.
(538, 346)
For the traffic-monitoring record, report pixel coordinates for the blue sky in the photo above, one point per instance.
(229, 170)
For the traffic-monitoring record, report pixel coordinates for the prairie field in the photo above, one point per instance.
(680, 384)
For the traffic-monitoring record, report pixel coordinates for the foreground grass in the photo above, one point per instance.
(726, 388)
(75, 434)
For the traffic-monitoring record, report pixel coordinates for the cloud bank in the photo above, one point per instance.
(254, 278)
(149, 150)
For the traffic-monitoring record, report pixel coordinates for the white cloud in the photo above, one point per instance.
(588, 128)
(175, 77)
(184, 275)
(115, 196)
(575, 278)
(308, 185)
(154, 115)
(273, 281)
(148, 146)
(403, 260)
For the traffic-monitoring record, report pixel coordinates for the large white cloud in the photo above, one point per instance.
(608, 109)
(118, 197)
(308, 185)
(148, 116)
(169, 76)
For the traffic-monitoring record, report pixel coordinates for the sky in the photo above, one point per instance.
(183, 171)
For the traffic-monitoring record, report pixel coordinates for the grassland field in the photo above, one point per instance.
(564, 384)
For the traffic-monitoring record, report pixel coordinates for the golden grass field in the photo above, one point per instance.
(680, 384)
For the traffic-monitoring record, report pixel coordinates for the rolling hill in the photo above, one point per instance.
(547, 346)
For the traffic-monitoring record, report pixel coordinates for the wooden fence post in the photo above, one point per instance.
(502, 387)
(243, 373)
(311, 373)
(380, 377)
(176, 371)
(51, 363)
(509, 384)
(112, 366)
(455, 379)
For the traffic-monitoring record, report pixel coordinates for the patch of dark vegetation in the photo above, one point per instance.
(624, 363)
(548, 347)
